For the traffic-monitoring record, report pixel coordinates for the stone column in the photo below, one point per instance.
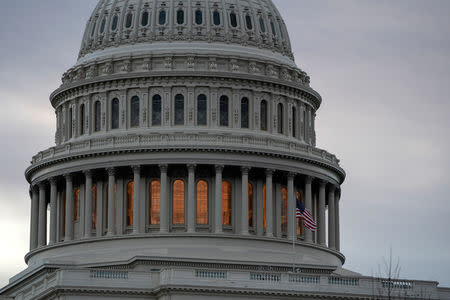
(191, 199)
(69, 208)
(53, 211)
(337, 237)
(100, 208)
(218, 200)
(259, 208)
(88, 206)
(321, 220)
(34, 222)
(42, 233)
(111, 200)
(331, 218)
(291, 205)
(308, 206)
(269, 203)
(164, 204)
(136, 199)
(244, 200)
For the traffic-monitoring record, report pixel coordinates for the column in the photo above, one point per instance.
(88, 206)
(291, 205)
(259, 208)
(308, 205)
(99, 225)
(111, 200)
(53, 210)
(331, 218)
(336, 220)
(191, 199)
(269, 203)
(164, 204)
(42, 232)
(34, 223)
(218, 200)
(69, 208)
(321, 220)
(136, 199)
(244, 200)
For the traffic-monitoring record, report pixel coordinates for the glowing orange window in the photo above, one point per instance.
(202, 202)
(299, 221)
(226, 203)
(250, 205)
(178, 203)
(130, 200)
(155, 200)
(76, 204)
(284, 210)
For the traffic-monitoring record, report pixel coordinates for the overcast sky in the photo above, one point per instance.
(382, 68)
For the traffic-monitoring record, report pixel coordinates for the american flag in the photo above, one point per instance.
(303, 213)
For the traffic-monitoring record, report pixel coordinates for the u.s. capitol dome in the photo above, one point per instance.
(185, 132)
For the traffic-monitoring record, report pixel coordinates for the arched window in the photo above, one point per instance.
(233, 20)
(156, 110)
(202, 202)
(281, 31)
(155, 202)
(226, 203)
(93, 28)
(102, 26)
(130, 203)
(248, 22)
(280, 118)
(264, 115)
(262, 25)
(224, 111)
(299, 221)
(145, 18)
(97, 115)
(114, 113)
(114, 22)
(76, 204)
(179, 109)
(201, 110)
(272, 26)
(162, 17)
(250, 205)
(94, 207)
(129, 20)
(244, 113)
(294, 122)
(216, 18)
(284, 210)
(134, 120)
(70, 123)
(178, 202)
(198, 17)
(81, 119)
(180, 17)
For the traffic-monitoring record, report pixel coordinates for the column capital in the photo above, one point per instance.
(269, 172)
(191, 166)
(136, 168)
(219, 168)
(163, 168)
(41, 185)
(53, 181)
(34, 188)
(308, 179)
(87, 173)
(68, 177)
(323, 183)
(291, 175)
(245, 170)
(332, 188)
(111, 171)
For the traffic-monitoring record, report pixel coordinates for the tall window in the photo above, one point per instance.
(198, 17)
(233, 20)
(179, 109)
(216, 18)
(145, 18)
(248, 22)
(201, 110)
(156, 110)
(264, 115)
(76, 204)
(102, 26)
(97, 115)
(162, 17)
(134, 122)
(226, 203)
(130, 203)
(70, 123)
(114, 113)
(284, 210)
(202, 202)
(180, 16)
(81, 119)
(294, 122)
(155, 202)
(178, 202)
(114, 23)
(280, 118)
(93, 28)
(244, 113)
(224, 111)
(129, 20)
(272, 26)
(250, 205)
(262, 25)
(94, 207)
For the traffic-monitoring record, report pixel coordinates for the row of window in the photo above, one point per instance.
(181, 19)
(178, 204)
(179, 113)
